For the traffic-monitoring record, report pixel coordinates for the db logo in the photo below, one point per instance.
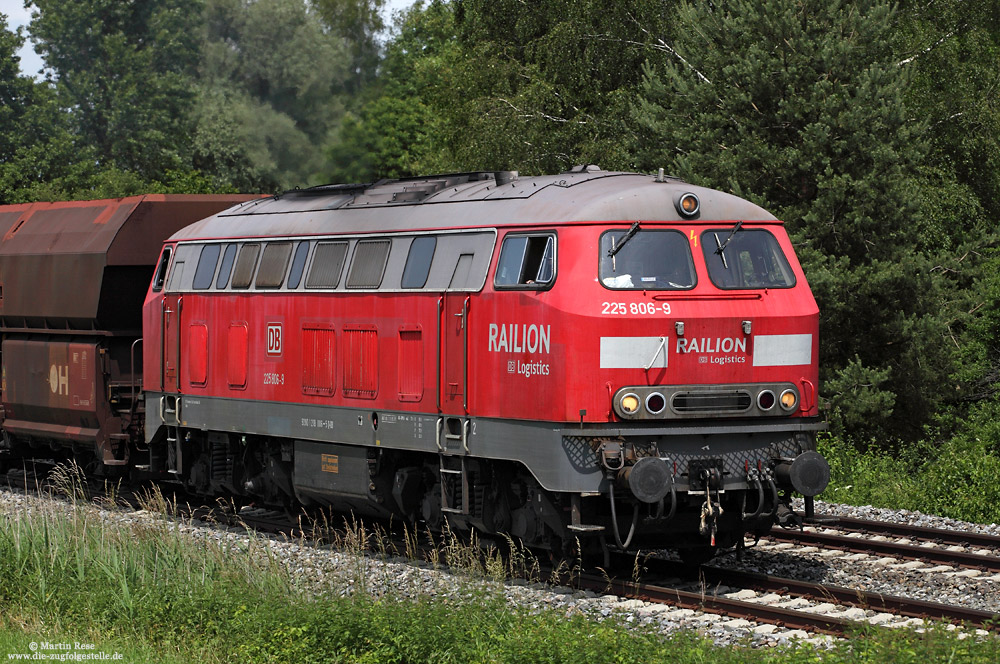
(274, 338)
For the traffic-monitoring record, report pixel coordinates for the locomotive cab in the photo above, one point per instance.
(708, 336)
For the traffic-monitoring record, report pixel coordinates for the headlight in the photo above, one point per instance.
(765, 400)
(789, 399)
(629, 403)
(688, 205)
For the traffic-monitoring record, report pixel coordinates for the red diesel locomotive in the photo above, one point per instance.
(562, 358)
(593, 357)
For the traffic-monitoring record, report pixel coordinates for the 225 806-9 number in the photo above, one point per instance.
(635, 308)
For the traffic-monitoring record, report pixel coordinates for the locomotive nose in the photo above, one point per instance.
(808, 473)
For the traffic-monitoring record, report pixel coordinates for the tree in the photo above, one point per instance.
(359, 22)
(811, 121)
(548, 85)
(398, 127)
(952, 48)
(504, 84)
(267, 92)
(124, 69)
(37, 149)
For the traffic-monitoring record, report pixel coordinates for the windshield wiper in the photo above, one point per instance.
(625, 238)
(721, 251)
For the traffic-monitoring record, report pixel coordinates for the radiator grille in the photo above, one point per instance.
(697, 401)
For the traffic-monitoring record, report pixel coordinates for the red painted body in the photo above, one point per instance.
(402, 371)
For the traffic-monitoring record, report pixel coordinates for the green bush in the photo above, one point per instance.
(956, 478)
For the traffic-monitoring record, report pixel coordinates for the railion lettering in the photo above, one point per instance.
(520, 338)
(709, 345)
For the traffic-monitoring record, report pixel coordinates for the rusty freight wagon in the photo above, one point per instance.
(73, 276)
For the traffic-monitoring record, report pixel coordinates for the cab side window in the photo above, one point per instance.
(527, 261)
(161, 270)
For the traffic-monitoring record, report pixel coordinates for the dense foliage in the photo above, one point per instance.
(872, 128)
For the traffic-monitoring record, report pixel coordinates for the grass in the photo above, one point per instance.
(155, 594)
(956, 478)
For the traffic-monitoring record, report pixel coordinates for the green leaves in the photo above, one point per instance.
(811, 120)
(203, 94)
(123, 68)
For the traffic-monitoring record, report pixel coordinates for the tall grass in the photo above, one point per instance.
(67, 573)
(69, 567)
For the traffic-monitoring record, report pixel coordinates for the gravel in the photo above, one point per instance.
(320, 570)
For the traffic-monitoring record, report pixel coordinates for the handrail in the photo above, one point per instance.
(440, 342)
(163, 344)
(465, 355)
(132, 374)
(177, 371)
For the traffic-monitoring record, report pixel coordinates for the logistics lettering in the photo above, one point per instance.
(532, 369)
(728, 359)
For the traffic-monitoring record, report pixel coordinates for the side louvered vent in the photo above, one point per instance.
(360, 362)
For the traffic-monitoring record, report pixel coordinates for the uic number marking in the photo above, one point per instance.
(635, 308)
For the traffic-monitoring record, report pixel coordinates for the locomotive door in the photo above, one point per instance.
(170, 339)
(453, 382)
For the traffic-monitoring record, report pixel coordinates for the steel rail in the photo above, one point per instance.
(940, 535)
(893, 549)
(724, 606)
(903, 606)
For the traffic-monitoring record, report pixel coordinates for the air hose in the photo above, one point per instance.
(614, 520)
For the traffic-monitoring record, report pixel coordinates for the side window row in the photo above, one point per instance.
(456, 261)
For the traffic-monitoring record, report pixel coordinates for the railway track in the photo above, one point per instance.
(932, 545)
(849, 597)
(921, 533)
(732, 608)
(784, 602)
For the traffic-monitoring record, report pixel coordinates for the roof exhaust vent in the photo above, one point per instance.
(504, 177)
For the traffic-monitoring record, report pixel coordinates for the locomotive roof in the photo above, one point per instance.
(470, 200)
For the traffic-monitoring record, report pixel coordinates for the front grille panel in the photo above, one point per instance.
(729, 401)
(676, 402)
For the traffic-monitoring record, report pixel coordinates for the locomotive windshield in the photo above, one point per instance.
(649, 260)
(748, 259)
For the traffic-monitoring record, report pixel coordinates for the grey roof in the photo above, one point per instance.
(470, 200)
